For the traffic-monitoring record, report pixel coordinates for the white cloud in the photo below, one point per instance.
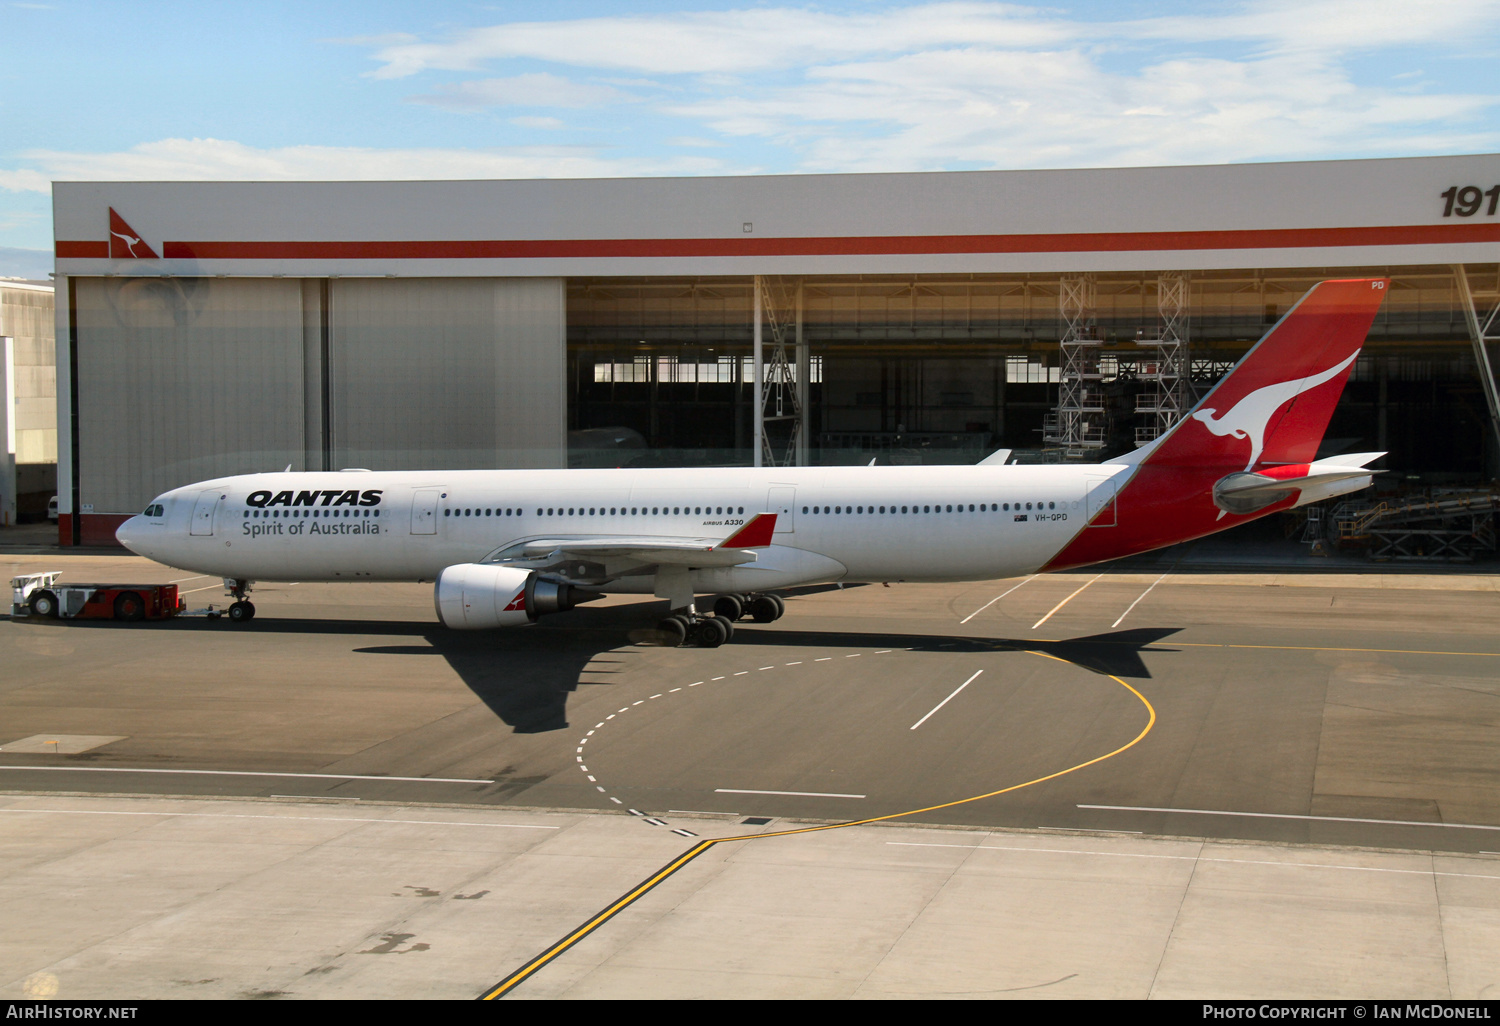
(727, 41)
(533, 90)
(1000, 85)
(25, 180)
(534, 122)
(224, 160)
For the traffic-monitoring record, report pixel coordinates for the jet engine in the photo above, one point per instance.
(476, 596)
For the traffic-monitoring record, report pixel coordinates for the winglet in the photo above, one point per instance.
(754, 535)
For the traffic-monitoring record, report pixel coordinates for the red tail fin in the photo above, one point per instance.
(1275, 405)
(1271, 409)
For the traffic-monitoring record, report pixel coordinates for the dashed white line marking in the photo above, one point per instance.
(742, 673)
(656, 696)
(641, 702)
(854, 655)
(768, 667)
(592, 780)
(614, 799)
(700, 812)
(684, 833)
(674, 691)
(882, 651)
(945, 701)
(714, 678)
(824, 659)
(797, 663)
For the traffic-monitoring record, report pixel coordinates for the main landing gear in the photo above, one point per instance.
(242, 609)
(693, 628)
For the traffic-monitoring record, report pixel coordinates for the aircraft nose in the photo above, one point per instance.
(129, 534)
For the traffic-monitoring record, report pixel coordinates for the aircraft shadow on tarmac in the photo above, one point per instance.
(525, 676)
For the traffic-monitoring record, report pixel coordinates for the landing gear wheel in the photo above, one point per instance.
(764, 608)
(242, 611)
(44, 604)
(728, 627)
(780, 605)
(729, 607)
(130, 607)
(712, 633)
(673, 631)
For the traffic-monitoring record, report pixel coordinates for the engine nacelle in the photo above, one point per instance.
(478, 596)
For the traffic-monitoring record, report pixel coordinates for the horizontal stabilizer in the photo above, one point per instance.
(998, 458)
(1248, 492)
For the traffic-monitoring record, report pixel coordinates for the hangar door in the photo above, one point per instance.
(448, 373)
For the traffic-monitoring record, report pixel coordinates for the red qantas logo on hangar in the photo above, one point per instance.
(124, 243)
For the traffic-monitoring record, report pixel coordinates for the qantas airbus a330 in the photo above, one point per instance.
(507, 546)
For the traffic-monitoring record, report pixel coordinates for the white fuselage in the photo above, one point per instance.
(833, 524)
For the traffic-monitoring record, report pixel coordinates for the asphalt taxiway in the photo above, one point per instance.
(1300, 718)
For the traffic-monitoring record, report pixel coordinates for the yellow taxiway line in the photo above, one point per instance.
(624, 901)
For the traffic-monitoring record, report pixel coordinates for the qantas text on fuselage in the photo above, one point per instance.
(505, 546)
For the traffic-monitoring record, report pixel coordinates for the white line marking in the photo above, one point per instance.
(992, 601)
(319, 797)
(742, 673)
(194, 591)
(1064, 602)
(1143, 594)
(242, 773)
(823, 660)
(243, 815)
(712, 678)
(945, 701)
(854, 655)
(674, 691)
(614, 799)
(799, 794)
(882, 651)
(700, 812)
(1286, 815)
(1202, 858)
(656, 696)
(797, 663)
(768, 667)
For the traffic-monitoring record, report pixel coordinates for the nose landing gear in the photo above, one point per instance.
(242, 609)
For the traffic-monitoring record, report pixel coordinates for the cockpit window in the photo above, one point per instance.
(156, 509)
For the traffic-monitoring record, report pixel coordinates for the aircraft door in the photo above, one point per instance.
(204, 512)
(1100, 501)
(424, 507)
(782, 500)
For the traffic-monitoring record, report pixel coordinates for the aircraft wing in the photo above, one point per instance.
(695, 552)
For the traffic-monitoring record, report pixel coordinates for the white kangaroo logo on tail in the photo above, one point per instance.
(1248, 417)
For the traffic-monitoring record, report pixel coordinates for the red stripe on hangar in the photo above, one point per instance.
(875, 245)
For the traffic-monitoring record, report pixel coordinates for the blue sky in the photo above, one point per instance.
(383, 89)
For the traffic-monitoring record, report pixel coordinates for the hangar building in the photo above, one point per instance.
(219, 328)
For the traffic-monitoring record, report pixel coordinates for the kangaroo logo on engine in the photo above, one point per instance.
(327, 497)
